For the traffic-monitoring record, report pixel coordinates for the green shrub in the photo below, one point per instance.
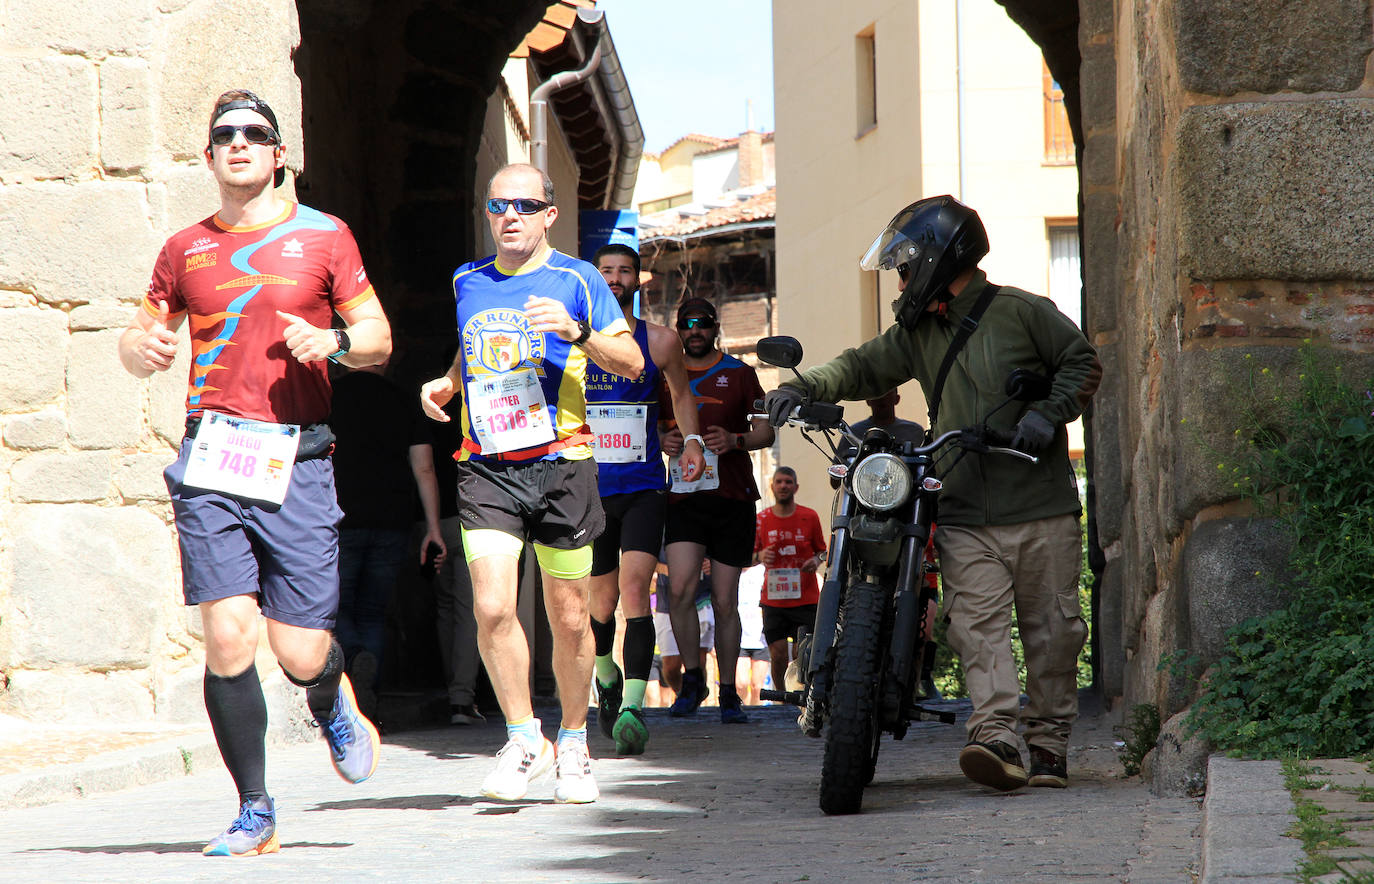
(1300, 681)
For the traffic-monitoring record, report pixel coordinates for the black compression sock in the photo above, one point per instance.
(604, 635)
(928, 660)
(321, 693)
(639, 647)
(238, 716)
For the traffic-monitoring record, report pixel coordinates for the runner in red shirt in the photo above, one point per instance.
(253, 485)
(789, 541)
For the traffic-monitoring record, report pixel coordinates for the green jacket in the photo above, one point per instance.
(1018, 330)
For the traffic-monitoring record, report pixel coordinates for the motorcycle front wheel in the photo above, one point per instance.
(852, 733)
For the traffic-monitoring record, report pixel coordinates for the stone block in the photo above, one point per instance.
(43, 429)
(76, 697)
(1215, 402)
(1232, 570)
(61, 477)
(1255, 199)
(1314, 46)
(1099, 161)
(34, 359)
(182, 195)
(51, 133)
(187, 85)
(77, 244)
(98, 317)
(1096, 18)
(86, 588)
(180, 694)
(93, 29)
(1100, 247)
(1178, 763)
(1108, 626)
(104, 402)
(1097, 87)
(126, 115)
(139, 476)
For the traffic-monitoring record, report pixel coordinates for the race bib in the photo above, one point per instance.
(242, 457)
(620, 432)
(707, 481)
(509, 411)
(783, 583)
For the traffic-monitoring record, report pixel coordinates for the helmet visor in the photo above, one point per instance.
(892, 248)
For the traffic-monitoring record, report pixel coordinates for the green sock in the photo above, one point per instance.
(606, 670)
(634, 693)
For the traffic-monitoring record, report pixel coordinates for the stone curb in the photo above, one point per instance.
(110, 771)
(1245, 818)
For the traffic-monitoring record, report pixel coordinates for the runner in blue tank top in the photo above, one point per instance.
(624, 417)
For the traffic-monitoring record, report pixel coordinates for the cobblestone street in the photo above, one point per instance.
(706, 803)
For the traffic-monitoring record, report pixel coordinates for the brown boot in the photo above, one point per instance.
(996, 764)
(1048, 769)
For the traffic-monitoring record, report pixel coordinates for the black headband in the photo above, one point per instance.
(253, 104)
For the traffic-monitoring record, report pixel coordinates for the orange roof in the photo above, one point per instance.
(553, 28)
(676, 222)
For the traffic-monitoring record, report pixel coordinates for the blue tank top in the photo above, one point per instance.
(608, 390)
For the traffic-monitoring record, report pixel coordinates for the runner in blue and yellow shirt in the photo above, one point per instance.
(529, 319)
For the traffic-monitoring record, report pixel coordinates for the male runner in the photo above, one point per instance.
(713, 516)
(789, 542)
(623, 413)
(529, 319)
(253, 486)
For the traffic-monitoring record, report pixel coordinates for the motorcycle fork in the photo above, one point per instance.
(828, 605)
(904, 657)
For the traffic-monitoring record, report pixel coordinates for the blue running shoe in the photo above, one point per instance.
(353, 742)
(694, 692)
(608, 703)
(254, 832)
(732, 710)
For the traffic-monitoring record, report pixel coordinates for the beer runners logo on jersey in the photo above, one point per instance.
(500, 340)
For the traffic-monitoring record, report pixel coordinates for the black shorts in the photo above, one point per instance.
(634, 521)
(721, 524)
(781, 623)
(553, 503)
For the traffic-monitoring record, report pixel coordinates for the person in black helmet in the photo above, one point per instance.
(1009, 529)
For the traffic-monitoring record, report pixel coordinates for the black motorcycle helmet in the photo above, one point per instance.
(929, 242)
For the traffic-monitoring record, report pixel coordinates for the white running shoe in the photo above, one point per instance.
(516, 765)
(575, 782)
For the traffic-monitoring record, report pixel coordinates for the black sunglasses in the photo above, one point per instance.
(253, 133)
(696, 322)
(497, 205)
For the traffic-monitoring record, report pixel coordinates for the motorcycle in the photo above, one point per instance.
(860, 667)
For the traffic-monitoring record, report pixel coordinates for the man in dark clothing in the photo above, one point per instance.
(1009, 536)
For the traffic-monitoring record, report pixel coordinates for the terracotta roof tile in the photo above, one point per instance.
(695, 217)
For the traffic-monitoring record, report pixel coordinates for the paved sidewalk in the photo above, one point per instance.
(706, 803)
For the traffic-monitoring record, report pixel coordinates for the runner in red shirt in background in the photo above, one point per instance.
(789, 542)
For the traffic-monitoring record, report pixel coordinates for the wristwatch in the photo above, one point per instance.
(340, 338)
(739, 441)
(690, 436)
(585, 333)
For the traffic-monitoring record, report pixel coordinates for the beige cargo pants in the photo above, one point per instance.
(1032, 568)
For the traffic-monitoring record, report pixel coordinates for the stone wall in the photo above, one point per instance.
(102, 127)
(1227, 205)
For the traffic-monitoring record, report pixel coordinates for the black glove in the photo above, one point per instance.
(779, 405)
(1033, 433)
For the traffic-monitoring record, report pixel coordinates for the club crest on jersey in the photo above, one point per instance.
(499, 340)
(293, 248)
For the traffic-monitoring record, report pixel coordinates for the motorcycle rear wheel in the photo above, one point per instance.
(852, 733)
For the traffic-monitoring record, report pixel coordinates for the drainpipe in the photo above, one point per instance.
(959, 88)
(539, 99)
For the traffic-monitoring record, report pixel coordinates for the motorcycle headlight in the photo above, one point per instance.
(881, 482)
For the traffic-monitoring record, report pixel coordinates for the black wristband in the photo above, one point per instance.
(585, 334)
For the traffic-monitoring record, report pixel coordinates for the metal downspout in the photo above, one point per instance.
(539, 99)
